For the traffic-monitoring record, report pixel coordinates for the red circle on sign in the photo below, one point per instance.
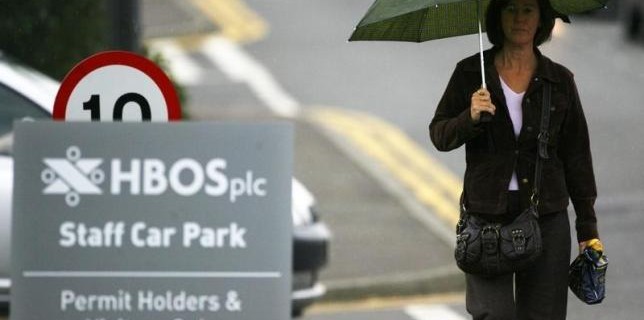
(108, 58)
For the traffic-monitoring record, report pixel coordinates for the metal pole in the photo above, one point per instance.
(125, 24)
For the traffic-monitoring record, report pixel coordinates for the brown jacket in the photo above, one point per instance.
(493, 152)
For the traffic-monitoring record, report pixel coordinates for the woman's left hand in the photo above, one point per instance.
(596, 244)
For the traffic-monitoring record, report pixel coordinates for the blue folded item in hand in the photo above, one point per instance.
(587, 276)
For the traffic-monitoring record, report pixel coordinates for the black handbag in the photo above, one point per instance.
(492, 249)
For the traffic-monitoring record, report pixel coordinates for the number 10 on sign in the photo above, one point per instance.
(93, 105)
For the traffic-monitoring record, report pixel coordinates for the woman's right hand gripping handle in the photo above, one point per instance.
(481, 103)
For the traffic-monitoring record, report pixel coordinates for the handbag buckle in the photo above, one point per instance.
(518, 240)
(490, 236)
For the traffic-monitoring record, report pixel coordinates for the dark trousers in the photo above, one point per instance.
(539, 292)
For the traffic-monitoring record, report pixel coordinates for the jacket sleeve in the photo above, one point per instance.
(452, 124)
(574, 150)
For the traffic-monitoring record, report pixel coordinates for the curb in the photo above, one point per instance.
(417, 210)
(439, 280)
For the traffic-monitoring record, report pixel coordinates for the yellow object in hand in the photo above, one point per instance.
(596, 245)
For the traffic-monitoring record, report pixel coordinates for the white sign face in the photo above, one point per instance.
(116, 86)
(135, 98)
(152, 221)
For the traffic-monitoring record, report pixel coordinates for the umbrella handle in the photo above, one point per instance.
(485, 116)
(483, 84)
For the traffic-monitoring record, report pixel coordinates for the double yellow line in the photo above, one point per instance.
(430, 182)
(236, 20)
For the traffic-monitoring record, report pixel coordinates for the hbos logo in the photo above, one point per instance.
(74, 176)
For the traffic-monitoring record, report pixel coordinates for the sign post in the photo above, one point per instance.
(158, 221)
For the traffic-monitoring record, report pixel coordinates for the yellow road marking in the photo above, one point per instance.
(237, 21)
(432, 184)
(401, 144)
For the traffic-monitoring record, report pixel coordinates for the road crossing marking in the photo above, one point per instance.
(389, 303)
(237, 21)
(151, 274)
(242, 67)
(182, 68)
(432, 312)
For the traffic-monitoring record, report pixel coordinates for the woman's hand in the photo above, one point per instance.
(481, 102)
(596, 244)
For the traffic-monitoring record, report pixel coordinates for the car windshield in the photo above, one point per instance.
(16, 107)
(24, 94)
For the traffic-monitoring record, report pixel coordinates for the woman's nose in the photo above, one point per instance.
(518, 16)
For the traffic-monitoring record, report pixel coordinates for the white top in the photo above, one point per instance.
(513, 101)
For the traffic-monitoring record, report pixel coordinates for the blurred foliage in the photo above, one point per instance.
(53, 35)
(160, 61)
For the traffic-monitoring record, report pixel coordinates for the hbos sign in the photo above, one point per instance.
(74, 176)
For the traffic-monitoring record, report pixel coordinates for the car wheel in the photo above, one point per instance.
(297, 312)
(634, 25)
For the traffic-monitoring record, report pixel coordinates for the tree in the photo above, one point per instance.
(53, 35)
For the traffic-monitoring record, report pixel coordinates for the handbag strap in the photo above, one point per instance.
(542, 141)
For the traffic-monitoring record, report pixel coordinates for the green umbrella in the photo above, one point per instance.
(423, 20)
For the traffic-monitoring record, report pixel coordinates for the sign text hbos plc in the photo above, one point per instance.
(75, 176)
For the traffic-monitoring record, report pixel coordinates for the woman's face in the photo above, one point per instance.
(520, 21)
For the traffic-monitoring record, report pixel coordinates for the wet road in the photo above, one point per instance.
(302, 47)
(306, 50)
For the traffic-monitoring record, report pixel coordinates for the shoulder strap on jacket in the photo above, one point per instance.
(542, 140)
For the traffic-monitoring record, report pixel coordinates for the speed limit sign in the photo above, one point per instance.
(116, 86)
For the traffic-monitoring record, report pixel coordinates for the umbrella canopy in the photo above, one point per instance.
(422, 20)
(418, 20)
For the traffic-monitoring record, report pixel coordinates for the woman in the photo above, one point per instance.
(500, 156)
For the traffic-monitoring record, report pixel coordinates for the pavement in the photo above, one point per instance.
(379, 247)
(385, 242)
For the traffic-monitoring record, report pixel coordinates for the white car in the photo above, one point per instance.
(28, 94)
(23, 94)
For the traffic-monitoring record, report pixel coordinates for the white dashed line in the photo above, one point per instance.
(239, 66)
(433, 312)
(181, 66)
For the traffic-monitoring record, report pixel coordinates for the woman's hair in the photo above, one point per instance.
(495, 30)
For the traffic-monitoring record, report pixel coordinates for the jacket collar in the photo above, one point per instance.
(545, 66)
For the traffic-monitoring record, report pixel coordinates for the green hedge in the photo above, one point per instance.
(53, 35)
